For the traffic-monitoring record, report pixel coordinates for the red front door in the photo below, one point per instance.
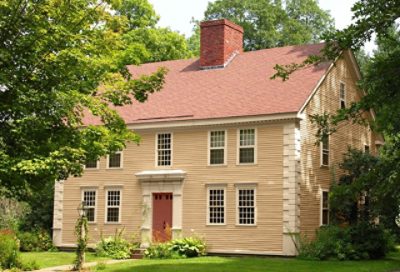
(162, 217)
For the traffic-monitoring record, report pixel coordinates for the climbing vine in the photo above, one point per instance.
(81, 232)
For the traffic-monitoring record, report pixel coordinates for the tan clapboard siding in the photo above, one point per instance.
(190, 154)
(315, 177)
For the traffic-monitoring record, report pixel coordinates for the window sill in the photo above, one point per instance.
(114, 168)
(215, 225)
(91, 169)
(112, 223)
(217, 165)
(324, 166)
(246, 225)
(247, 164)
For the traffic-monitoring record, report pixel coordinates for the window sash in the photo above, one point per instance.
(247, 144)
(91, 164)
(325, 151)
(216, 206)
(342, 95)
(164, 149)
(89, 198)
(114, 160)
(113, 205)
(324, 208)
(217, 147)
(246, 206)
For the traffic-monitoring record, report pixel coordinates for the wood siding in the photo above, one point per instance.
(190, 147)
(315, 177)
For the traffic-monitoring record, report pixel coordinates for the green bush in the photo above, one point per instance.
(38, 240)
(178, 248)
(115, 247)
(9, 253)
(361, 241)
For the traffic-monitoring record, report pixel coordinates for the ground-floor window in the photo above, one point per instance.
(89, 202)
(324, 207)
(246, 205)
(216, 206)
(113, 206)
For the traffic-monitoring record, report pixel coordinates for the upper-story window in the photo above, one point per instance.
(342, 95)
(164, 149)
(92, 164)
(247, 146)
(217, 147)
(89, 201)
(114, 160)
(325, 151)
(324, 207)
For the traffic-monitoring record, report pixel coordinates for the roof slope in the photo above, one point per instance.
(243, 88)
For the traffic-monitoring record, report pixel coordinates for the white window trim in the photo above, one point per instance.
(156, 150)
(106, 205)
(238, 146)
(321, 153)
(215, 187)
(91, 169)
(340, 97)
(246, 186)
(121, 164)
(225, 148)
(321, 207)
(91, 189)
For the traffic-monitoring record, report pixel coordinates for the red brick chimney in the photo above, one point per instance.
(220, 41)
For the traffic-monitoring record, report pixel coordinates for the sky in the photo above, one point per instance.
(177, 14)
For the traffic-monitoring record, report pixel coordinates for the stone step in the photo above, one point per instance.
(137, 253)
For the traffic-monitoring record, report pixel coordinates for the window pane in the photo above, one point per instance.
(246, 155)
(113, 198)
(114, 160)
(217, 139)
(325, 217)
(247, 137)
(91, 164)
(325, 199)
(89, 198)
(90, 214)
(217, 156)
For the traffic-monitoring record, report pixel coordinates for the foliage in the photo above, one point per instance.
(178, 248)
(81, 232)
(270, 24)
(12, 213)
(115, 247)
(9, 249)
(355, 242)
(55, 55)
(38, 240)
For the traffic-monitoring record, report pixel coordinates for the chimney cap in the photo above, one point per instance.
(221, 22)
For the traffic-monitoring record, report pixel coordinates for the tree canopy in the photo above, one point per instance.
(54, 56)
(272, 23)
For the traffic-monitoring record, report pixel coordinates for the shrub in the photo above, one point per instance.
(178, 248)
(9, 254)
(360, 241)
(115, 247)
(38, 240)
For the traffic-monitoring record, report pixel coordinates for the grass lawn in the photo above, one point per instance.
(49, 259)
(237, 264)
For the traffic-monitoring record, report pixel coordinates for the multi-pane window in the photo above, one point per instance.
(164, 149)
(216, 206)
(246, 206)
(217, 147)
(325, 208)
(325, 151)
(113, 206)
(89, 202)
(91, 164)
(247, 142)
(115, 160)
(342, 95)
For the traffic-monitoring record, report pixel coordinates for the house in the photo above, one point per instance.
(226, 152)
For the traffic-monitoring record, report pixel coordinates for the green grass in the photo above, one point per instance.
(253, 264)
(49, 259)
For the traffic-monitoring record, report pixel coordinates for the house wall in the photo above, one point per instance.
(315, 177)
(190, 154)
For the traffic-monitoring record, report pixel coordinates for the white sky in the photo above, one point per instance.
(177, 14)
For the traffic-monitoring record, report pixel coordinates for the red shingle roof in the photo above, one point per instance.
(243, 88)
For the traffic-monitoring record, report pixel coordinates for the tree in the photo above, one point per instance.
(271, 23)
(54, 57)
